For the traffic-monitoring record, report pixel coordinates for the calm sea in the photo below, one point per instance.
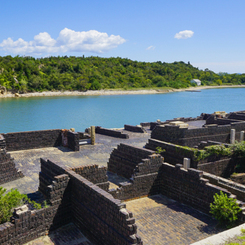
(80, 112)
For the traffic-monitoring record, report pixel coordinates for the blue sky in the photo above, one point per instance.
(208, 34)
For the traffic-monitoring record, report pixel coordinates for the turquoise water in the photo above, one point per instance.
(80, 112)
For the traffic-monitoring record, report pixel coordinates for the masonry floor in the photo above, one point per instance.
(28, 161)
(163, 221)
(160, 220)
(66, 235)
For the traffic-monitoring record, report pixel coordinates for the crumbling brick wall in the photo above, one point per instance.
(98, 214)
(8, 172)
(94, 173)
(192, 137)
(124, 159)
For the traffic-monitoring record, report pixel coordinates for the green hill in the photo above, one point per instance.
(27, 74)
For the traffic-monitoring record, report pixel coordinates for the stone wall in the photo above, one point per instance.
(238, 178)
(97, 213)
(143, 181)
(32, 139)
(232, 186)
(173, 153)
(187, 186)
(152, 176)
(140, 166)
(2, 142)
(111, 132)
(182, 119)
(223, 167)
(124, 158)
(8, 172)
(135, 129)
(73, 140)
(94, 173)
(237, 116)
(192, 137)
(27, 224)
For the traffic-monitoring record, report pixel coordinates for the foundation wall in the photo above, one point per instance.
(8, 172)
(97, 213)
(192, 137)
(124, 159)
(110, 132)
(187, 186)
(32, 139)
(95, 174)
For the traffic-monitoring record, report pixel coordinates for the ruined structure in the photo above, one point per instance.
(8, 172)
(82, 195)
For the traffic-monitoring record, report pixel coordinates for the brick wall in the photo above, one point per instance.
(31, 224)
(2, 142)
(32, 139)
(94, 173)
(73, 140)
(97, 213)
(238, 178)
(173, 153)
(8, 172)
(187, 186)
(235, 188)
(136, 129)
(223, 167)
(124, 159)
(237, 115)
(143, 181)
(192, 137)
(110, 132)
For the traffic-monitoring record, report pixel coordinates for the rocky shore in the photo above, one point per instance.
(112, 92)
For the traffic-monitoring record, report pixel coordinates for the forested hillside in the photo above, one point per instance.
(27, 74)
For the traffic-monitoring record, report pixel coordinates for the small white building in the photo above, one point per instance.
(196, 81)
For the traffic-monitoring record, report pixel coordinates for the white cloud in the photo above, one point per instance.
(67, 41)
(184, 34)
(150, 48)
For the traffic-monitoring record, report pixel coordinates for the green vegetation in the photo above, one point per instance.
(11, 200)
(234, 150)
(27, 74)
(159, 150)
(224, 209)
(213, 150)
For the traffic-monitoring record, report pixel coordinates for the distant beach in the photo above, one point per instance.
(113, 92)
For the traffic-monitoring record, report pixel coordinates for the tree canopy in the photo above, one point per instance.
(27, 74)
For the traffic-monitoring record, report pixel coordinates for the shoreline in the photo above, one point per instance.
(113, 92)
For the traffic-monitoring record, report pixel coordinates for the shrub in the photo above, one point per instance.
(11, 200)
(224, 209)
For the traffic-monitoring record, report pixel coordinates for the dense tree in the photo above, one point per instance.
(24, 74)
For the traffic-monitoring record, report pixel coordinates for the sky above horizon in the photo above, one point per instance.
(208, 34)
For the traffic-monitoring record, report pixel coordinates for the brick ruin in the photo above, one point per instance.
(83, 196)
(8, 172)
(213, 129)
(39, 139)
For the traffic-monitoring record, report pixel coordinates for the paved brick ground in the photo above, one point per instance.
(28, 161)
(161, 221)
(66, 235)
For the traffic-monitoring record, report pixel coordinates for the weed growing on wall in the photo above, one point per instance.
(159, 150)
(224, 209)
(11, 200)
